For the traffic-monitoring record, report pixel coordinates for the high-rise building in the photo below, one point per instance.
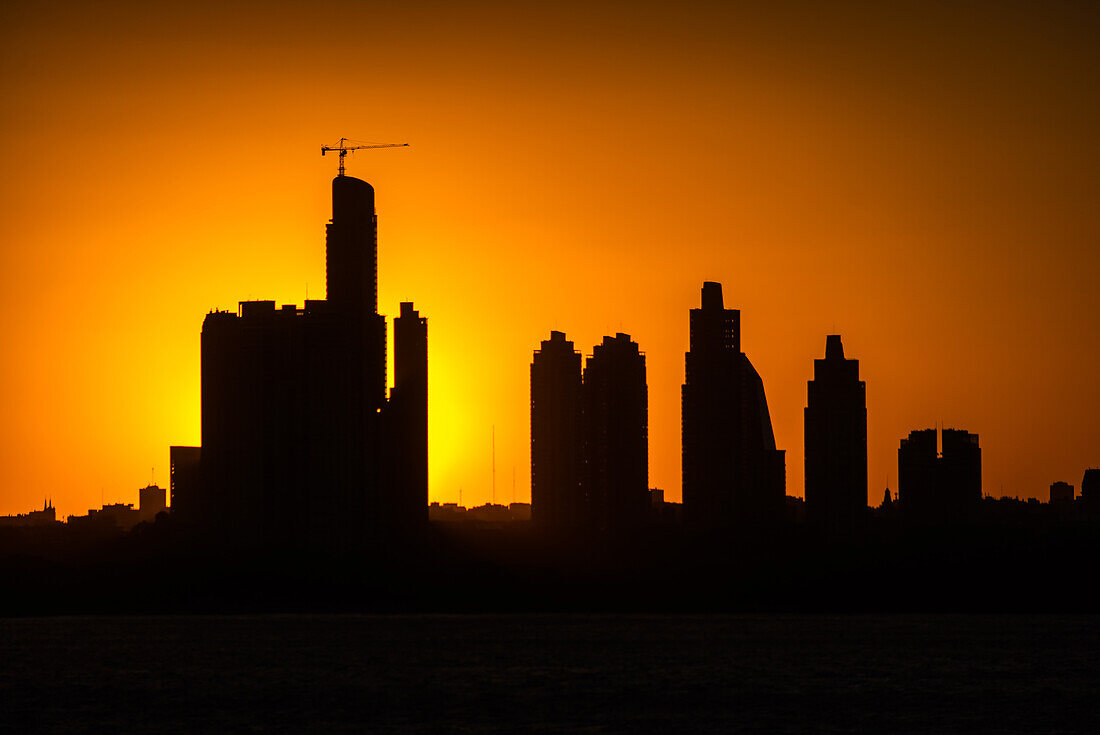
(406, 422)
(615, 410)
(351, 277)
(836, 443)
(918, 462)
(184, 482)
(940, 488)
(557, 459)
(732, 472)
(1090, 486)
(293, 404)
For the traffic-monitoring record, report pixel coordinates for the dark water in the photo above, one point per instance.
(553, 673)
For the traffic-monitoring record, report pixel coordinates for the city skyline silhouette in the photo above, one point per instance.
(698, 367)
(942, 251)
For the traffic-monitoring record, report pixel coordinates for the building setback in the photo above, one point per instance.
(557, 460)
(943, 488)
(836, 443)
(294, 406)
(732, 472)
(615, 409)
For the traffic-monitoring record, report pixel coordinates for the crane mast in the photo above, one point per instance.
(343, 148)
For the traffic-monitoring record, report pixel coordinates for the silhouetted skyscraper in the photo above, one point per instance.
(557, 460)
(732, 472)
(407, 419)
(836, 443)
(616, 434)
(293, 401)
(184, 482)
(1090, 486)
(351, 275)
(942, 488)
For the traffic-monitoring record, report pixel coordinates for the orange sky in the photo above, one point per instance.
(923, 181)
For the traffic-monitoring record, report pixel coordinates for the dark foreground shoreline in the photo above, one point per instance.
(511, 569)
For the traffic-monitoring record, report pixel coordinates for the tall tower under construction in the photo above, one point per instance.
(296, 451)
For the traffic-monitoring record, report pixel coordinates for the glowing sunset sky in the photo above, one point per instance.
(923, 179)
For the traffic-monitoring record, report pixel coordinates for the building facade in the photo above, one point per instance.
(732, 472)
(1061, 492)
(184, 483)
(557, 458)
(615, 411)
(940, 487)
(836, 443)
(294, 406)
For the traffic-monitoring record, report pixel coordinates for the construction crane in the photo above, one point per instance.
(343, 149)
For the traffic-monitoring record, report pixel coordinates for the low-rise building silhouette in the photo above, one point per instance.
(45, 517)
(940, 487)
(488, 513)
(1061, 492)
(150, 502)
(113, 517)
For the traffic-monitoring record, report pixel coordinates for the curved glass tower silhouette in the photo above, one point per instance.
(732, 472)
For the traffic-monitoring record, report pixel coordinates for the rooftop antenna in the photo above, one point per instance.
(342, 148)
(494, 464)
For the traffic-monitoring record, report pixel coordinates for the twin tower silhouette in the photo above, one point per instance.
(589, 434)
